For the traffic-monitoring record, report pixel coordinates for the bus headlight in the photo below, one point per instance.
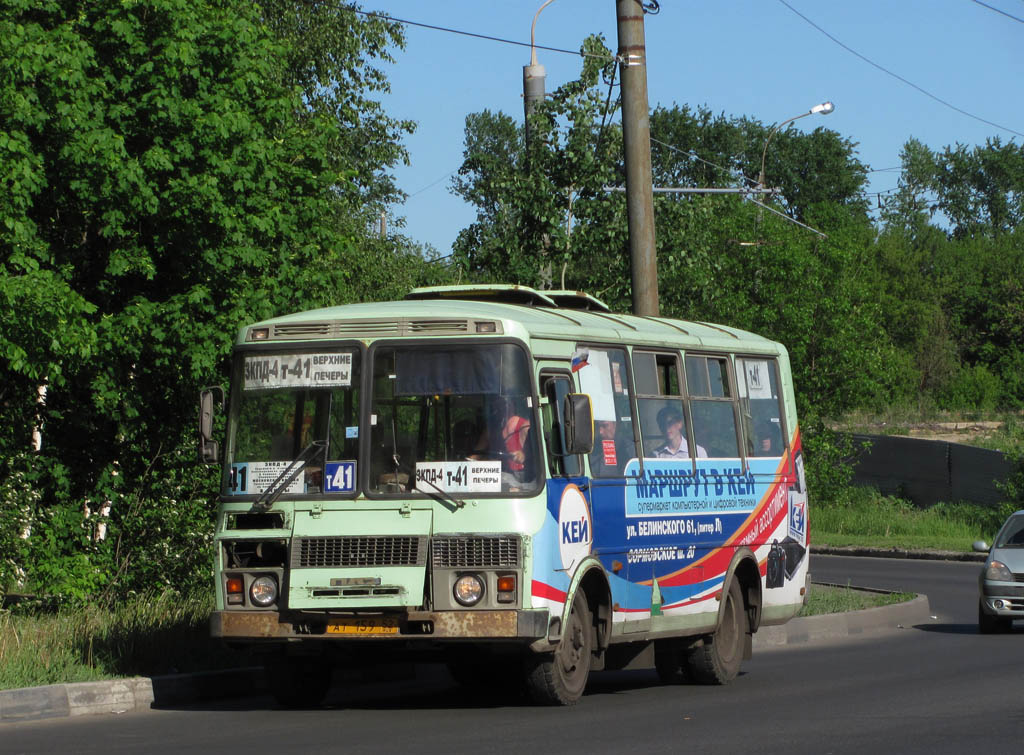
(263, 591)
(469, 589)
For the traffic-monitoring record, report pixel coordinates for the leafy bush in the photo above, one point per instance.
(828, 463)
(974, 388)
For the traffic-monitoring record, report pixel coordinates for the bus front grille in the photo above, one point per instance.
(475, 551)
(324, 552)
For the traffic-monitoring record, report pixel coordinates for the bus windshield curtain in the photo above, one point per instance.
(437, 373)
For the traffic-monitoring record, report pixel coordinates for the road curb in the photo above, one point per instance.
(831, 627)
(854, 550)
(115, 696)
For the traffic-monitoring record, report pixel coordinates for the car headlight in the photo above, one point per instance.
(469, 589)
(263, 591)
(996, 571)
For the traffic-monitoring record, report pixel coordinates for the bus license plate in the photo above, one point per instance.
(377, 625)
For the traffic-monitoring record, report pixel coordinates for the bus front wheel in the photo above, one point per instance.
(559, 678)
(716, 658)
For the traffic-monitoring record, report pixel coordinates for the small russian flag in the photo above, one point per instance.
(579, 359)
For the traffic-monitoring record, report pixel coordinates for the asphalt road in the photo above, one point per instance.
(939, 687)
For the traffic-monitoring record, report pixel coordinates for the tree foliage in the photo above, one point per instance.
(545, 219)
(174, 168)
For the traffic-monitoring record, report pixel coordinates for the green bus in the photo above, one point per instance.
(517, 483)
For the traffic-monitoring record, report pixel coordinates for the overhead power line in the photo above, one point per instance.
(697, 157)
(911, 84)
(487, 37)
(997, 10)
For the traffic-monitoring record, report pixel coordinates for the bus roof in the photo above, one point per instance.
(522, 311)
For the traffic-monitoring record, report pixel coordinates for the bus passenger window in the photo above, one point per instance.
(760, 407)
(663, 424)
(711, 406)
(606, 380)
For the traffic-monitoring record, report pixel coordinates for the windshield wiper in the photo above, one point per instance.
(443, 496)
(288, 474)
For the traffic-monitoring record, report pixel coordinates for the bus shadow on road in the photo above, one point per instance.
(437, 693)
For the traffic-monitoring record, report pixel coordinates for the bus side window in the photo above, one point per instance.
(606, 380)
(760, 406)
(554, 389)
(711, 406)
(663, 424)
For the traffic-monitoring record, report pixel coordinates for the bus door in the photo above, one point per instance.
(570, 529)
(614, 468)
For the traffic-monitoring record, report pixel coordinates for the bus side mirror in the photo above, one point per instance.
(209, 449)
(579, 424)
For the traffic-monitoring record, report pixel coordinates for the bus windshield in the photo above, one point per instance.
(297, 412)
(454, 419)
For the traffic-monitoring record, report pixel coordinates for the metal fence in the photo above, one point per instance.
(928, 471)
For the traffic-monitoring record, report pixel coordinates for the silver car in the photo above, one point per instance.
(1001, 583)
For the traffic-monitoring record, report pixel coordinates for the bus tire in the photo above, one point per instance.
(716, 658)
(559, 678)
(298, 682)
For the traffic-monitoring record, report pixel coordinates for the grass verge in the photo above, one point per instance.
(868, 519)
(829, 599)
(144, 636)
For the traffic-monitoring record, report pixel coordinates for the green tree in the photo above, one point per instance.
(535, 208)
(175, 168)
(980, 190)
(696, 148)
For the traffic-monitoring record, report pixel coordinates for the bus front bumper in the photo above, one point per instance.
(525, 625)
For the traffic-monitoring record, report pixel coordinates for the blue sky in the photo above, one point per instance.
(738, 57)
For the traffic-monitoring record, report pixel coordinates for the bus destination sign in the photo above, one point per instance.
(264, 371)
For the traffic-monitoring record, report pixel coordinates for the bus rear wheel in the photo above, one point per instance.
(716, 658)
(559, 678)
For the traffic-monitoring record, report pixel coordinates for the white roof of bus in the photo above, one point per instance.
(526, 321)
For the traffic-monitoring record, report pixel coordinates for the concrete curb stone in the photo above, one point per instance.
(855, 550)
(840, 626)
(114, 696)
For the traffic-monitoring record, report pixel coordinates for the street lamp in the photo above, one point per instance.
(824, 109)
(533, 74)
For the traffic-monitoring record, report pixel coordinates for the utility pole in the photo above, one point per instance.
(636, 136)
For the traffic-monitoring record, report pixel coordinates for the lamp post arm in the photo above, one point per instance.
(764, 152)
(533, 31)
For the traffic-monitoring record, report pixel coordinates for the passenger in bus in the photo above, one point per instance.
(606, 460)
(505, 437)
(769, 439)
(670, 420)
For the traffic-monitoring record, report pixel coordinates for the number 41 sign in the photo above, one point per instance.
(340, 477)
